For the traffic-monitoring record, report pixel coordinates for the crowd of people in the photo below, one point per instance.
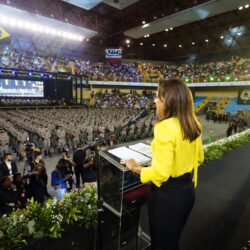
(12, 101)
(53, 130)
(34, 133)
(16, 187)
(236, 123)
(236, 69)
(105, 99)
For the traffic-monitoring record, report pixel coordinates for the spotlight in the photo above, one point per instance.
(153, 44)
(193, 43)
(166, 30)
(171, 28)
(127, 41)
(222, 37)
(165, 45)
(240, 8)
(30, 74)
(143, 22)
(206, 40)
(141, 44)
(180, 45)
(246, 6)
(13, 72)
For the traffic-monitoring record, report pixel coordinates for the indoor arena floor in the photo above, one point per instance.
(220, 218)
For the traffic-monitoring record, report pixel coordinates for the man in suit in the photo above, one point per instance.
(8, 167)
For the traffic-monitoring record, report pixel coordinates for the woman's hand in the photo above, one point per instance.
(132, 165)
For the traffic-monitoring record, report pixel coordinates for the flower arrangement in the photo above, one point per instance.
(48, 220)
(217, 149)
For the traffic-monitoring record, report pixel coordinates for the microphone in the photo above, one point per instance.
(141, 115)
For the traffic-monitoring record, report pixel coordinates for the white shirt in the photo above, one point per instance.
(8, 163)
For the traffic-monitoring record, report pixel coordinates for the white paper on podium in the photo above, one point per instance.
(142, 148)
(126, 153)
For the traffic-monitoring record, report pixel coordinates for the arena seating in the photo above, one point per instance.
(198, 100)
(234, 69)
(234, 108)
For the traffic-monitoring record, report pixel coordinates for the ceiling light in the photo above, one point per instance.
(40, 29)
(87, 39)
(127, 41)
(145, 25)
(80, 38)
(246, 6)
(193, 43)
(240, 8)
(128, 45)
(166, 30)
(12, 22)
(153, 44)
(180, 45)
(206, 40)
(143, 22)
(33, 27)
(59, 33)
(222, 37)
(20, 24)
(171, 28)
(141, 44)
(4, 19)
(165, 45)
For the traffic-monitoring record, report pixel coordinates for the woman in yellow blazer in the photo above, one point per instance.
(176, 154)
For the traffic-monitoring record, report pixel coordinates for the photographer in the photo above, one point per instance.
(68, 165)
(79, 157)
(59, 179)
(30, 152)
(89, 169)
(38, 183)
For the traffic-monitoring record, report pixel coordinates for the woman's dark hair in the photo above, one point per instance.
(3, 179)
(60, 163)
(178, 102)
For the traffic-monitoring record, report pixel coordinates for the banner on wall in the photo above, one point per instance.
(4, 36)
(244, 96)
(113, 56)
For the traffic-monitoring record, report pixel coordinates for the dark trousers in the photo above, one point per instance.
(79, 174)
(169, 209)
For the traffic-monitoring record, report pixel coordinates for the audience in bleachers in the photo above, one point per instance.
(105, 99)
(236, 68)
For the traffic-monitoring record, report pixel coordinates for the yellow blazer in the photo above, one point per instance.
(171, 155)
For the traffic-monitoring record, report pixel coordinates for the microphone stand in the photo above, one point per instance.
(96, 144)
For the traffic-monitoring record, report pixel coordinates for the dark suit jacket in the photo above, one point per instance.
(4, 171)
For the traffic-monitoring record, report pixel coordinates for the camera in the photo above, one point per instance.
(66, 152)
(29, 148)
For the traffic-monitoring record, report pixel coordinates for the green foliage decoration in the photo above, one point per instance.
(217, 149)
(48, 220)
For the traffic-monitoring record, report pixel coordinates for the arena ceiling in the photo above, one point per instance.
(117, 21)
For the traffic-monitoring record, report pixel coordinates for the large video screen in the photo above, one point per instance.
(21, 88)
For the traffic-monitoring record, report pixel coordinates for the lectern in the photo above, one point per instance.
(121, 194)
